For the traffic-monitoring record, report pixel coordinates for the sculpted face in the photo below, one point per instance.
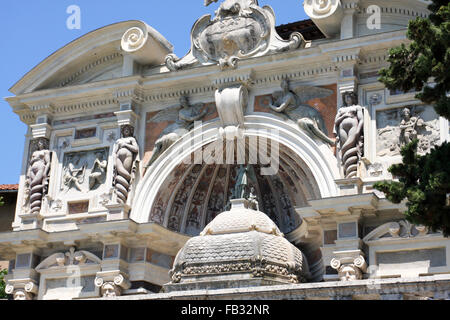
(348, 99)
(20, 295)
(109, 291)
(348, 273)
(406, 113)
(127, 131)
(41, 144)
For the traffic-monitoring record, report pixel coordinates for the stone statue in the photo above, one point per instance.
(126, 155)
(184, 117)
(38, 174)
(349, 129)
(74, 176)
(292, 104)
(240, 190)
(98, 172)
(253, 199)
(408, 127)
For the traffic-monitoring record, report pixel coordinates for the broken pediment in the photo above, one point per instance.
(102, 54)
(70, 258)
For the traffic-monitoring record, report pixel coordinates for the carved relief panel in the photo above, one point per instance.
(84, 171)
(397, 127)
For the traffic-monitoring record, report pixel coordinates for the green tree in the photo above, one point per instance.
(423, 180)
(3, 273)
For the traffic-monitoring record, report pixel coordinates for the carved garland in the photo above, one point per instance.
(258, 267)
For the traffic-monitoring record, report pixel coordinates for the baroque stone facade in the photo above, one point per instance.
(120, 178)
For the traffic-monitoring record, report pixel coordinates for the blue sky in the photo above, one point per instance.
(32, 30)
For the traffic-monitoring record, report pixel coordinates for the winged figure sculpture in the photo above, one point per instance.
(184, 117)
(292, 105)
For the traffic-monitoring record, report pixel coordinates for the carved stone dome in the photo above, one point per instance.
(239, 247)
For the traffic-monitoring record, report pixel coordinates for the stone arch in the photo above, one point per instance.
(301, 157)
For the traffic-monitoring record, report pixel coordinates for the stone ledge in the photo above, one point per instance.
(389, 289)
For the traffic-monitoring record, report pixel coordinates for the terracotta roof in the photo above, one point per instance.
(9, 187)
(306, 27)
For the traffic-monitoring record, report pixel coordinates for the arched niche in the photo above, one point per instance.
(175, 192)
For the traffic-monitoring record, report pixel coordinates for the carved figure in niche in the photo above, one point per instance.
(240, 190)
(292, 105)
(408, 127)
(74, 177)
(36, 184)
(126, 155)
(184, 117)
(98, 172)
(349, 126)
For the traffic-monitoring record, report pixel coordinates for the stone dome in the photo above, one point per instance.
(241, 219)
(241, 246)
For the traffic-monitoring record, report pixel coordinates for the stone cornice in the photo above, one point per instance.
(125, 230)
(360, 289)
(318, 62)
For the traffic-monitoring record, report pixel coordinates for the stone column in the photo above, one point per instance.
(38, 171)
(348, 257)
(348, 24)
(125, 177)
(113, 279)
(25, 289)
(23, 282)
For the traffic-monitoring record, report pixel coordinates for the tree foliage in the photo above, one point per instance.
(3, 273)
(423, 180)
(426, 58)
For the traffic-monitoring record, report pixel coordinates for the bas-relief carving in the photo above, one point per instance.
(241, 29)
(38, 174)
(84, 171)
(400, 229)
(349, 130)
(291, 104)
(69, 258)
(397, 127)
(126, 158)
(184, 117)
